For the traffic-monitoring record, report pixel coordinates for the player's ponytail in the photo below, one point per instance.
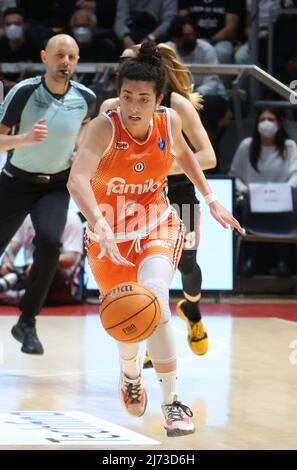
(149, 53)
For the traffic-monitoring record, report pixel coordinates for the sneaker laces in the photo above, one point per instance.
(133, 391)
(174, 411)
(197, 330)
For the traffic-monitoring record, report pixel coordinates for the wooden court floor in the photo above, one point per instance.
(242, 392)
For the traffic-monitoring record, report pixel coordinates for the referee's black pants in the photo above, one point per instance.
(48, 204)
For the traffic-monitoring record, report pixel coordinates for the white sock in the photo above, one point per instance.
(131, 367)
(168, 383)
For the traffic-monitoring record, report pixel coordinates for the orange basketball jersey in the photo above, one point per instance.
(130, 181)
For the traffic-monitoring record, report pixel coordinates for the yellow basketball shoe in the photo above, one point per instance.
(197, 336)
(147, 363)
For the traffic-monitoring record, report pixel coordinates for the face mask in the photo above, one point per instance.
(13, 31)
(82, 34)
(188, 45)
(267, 128)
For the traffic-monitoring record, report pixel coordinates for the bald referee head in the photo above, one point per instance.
(60, 58)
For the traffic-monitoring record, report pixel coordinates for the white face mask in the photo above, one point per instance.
(82, 34)
(267, 128)
(13, 32)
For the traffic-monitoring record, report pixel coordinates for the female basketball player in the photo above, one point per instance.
(181, 191)
(120, 171)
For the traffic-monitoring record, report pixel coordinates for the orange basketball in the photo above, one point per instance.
(130, 312)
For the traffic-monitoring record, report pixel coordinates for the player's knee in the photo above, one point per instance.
(187, 261)
(160, 289)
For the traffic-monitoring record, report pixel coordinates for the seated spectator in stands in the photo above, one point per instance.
(269, 156)
(242, 55)
(192, 50)
(105, 11)
(137, 20)
(17, 45)
(93, 45)
(67, 284)
(216, 21)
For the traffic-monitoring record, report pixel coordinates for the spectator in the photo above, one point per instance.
(137, 20)
(191, 50)
(94, 47)
(268, 156)
(216, 21)
(242, 55)
(66, 282)
(17, 45)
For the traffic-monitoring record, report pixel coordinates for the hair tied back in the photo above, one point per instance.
(149, 53)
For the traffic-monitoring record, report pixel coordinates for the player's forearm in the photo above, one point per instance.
(205, 159)
(80, 190)
(8, 142)
(192, 169)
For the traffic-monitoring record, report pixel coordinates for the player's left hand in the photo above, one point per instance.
(224, 217)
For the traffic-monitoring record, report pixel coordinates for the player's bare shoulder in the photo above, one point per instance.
(177, 100)
(180, 104)
(111, 103)
(99, 133)
(176, 122)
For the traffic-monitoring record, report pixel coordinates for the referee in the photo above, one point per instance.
(40, 120)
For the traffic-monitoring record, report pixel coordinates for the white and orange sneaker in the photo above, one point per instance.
(177, 417)
(132, 395)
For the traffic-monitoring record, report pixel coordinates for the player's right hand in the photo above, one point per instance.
(108, 245)
(38, 132)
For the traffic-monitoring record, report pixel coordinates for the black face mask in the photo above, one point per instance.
(188, 45)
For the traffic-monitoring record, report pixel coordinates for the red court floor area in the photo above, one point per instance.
(286, 311)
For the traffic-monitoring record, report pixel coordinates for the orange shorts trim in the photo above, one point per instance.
(166, 240)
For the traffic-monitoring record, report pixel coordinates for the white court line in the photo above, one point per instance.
(282, 320)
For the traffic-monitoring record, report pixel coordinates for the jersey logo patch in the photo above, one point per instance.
(121, 145)
(161, 143)
(139, 167)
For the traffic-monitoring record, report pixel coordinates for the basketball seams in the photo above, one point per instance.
(138, 339)
(134, 314)
(123, 297)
